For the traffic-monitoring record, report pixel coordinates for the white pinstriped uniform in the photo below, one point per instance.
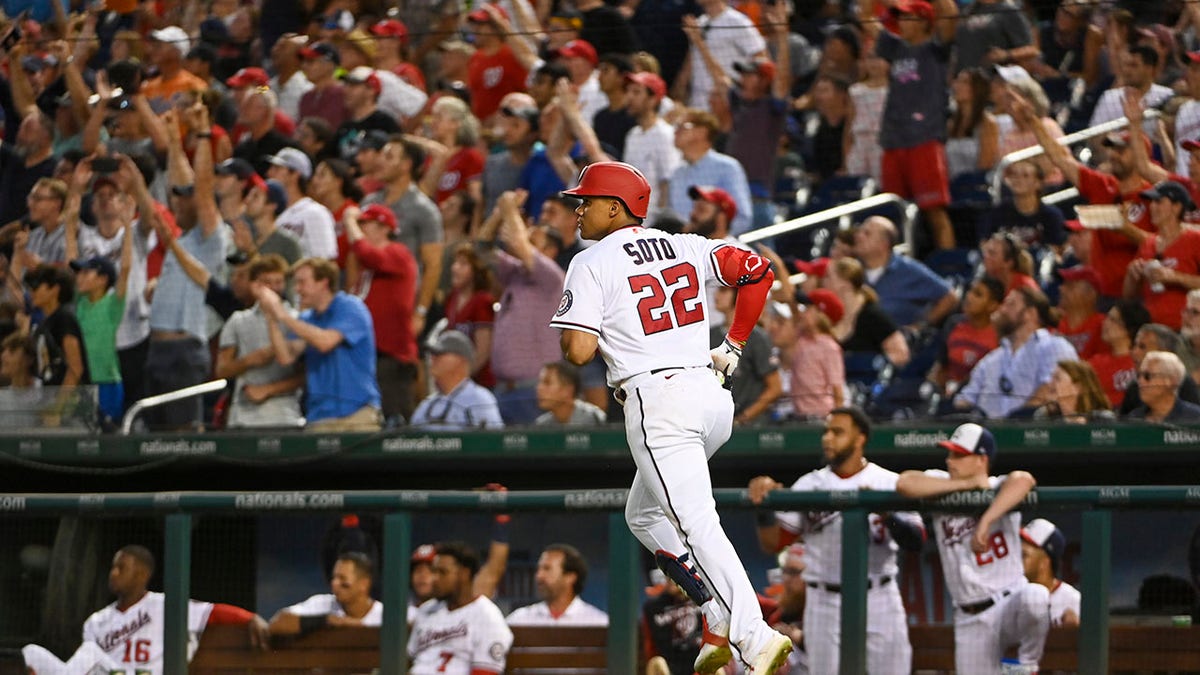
(1020, 613)
(888, 649)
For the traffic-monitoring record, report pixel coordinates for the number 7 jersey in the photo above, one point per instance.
(641, 292)
(973, 577)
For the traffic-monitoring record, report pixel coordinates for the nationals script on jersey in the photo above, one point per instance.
(822, 530)
(641, 292)
(473, 637)
(973, 577)
(135, 636)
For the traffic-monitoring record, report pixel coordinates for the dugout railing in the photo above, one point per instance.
(178, 508)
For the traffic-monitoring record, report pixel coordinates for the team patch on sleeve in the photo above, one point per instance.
(564, 305)
(497, 650)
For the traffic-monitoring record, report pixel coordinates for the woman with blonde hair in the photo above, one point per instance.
(456, 159)
(864, 329)
(1077, 395)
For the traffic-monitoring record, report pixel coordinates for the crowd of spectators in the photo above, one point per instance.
(352, 211)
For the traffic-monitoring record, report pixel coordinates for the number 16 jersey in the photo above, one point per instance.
(974, 577)
(641, 292)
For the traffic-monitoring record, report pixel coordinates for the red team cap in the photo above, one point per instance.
(656, 85)
(578, 48)
(971, 439)
(827, 301)
(617, 180)
(918, 8)
(381, 214)
(364, 75)
(814, 268)
(481, 15)
(424, 553)
(716, 196)
(390, 28)
(1081, 273)
(248, 77)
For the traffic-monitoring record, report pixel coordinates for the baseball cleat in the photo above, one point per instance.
(774, 655)
(714, 653)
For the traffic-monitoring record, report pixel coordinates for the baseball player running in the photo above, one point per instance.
(994, 605)
(1042, 545)
(637, 296)
(888, 650)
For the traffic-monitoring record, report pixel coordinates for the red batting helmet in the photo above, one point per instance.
(617, 180)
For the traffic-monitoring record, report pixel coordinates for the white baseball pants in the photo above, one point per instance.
(675, 420)
(89, 659)
(1022, 617)
(888, 649)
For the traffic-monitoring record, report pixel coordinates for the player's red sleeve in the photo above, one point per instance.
(751, 274)
(228, 614)
(483, 671)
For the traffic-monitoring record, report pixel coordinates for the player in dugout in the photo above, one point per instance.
(127, 636)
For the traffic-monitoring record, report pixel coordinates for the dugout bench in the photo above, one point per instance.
(225, 650)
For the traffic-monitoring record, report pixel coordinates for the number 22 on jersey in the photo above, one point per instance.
(670, 302)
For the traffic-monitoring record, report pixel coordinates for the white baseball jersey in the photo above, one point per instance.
(974, 577)
(455, 642)
(578, 613)
(135, 637)
(1064, 597)
(326, 603)
(888, 649)
(641, 292)
(822, 530)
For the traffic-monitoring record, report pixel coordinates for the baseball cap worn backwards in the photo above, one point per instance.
(971, 439)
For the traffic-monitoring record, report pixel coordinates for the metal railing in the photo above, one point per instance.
(169, 397)
(1068, 140)
(1097, 503)
(838, 212)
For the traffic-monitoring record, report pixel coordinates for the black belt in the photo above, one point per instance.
(981, 606)
(663, 370)
(837, 588)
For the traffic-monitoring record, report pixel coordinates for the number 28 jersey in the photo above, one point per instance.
(641, 292)
(973, 577)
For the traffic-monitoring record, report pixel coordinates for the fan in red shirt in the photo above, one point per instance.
(391, 39)
(1112, 250)
(454, 127)
(493, 70)
(388, 286)
(470, 307)
(1080, 323)
(1168, 262)
(1116, 368)
(968, 336)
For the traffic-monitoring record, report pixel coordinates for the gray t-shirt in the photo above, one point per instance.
(756, 363)
(246, 331)
(983, 26)
(177, 299)
(584, 415)
(49, 247)
(915, 110)
(420, 220)
(500, 174)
